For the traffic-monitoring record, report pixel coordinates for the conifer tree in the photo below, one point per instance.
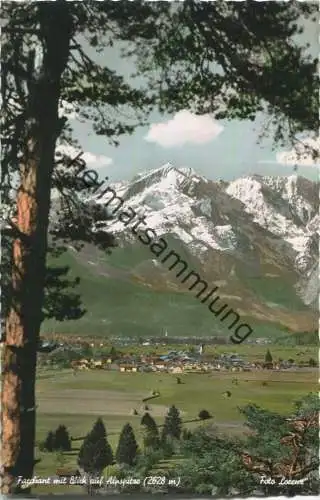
(151, 432)
(172, 425)
(113, 353)
(95, 453)
(127, 447)
(62, 439)
(268, 357)
(49, 443)
(99, 428)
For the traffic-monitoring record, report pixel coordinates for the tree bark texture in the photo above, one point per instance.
(19, 356)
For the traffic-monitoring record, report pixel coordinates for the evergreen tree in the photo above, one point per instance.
(113, 353)
(49, 443)
(172, 425)
(99, 429)
(214, 462)
(273, 447)
(62, 439)
(268, 357)
(95, 453)
(151, 432)
(127, 447)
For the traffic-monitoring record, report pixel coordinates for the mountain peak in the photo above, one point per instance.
(166, 169)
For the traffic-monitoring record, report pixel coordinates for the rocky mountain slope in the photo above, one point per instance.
(255, 237)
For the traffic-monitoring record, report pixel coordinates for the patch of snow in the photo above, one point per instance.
(249, 191)
(182, 234)
(226, 237)
(287, 187)
(314, 225)
(204, 231)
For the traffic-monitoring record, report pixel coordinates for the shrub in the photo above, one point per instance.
(112, 470)
(146, 462)
(168, 448)
(204, 415)
(186, 434)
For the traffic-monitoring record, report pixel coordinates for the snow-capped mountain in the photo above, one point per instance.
(202, 213)
(257, 237)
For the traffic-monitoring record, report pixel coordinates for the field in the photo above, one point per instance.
(77, 400)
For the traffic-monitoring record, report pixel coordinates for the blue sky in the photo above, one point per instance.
(217, 150)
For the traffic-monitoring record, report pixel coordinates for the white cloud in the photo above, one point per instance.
(96, 161)
(92, 160)
(301, 154)
(183, 128)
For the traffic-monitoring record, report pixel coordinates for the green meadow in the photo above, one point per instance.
(78, 400)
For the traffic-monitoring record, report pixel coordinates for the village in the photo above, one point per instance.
(194, 360)
(178, 362)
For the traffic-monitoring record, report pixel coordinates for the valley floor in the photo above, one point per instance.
(76, 401)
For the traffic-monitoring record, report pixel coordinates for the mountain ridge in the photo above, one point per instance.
(256, 236)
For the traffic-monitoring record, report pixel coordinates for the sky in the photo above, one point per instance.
(217, 150)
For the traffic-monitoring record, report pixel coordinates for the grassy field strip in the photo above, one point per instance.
(112, 395)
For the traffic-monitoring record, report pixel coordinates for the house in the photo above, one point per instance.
(160, 365)
(97, 364)
(82, 364)
(153, 360)
(177, 369)
(112, 366)
(83, 367)
(84, 361)
(128, 368)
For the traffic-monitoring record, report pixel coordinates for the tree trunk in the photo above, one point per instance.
(29, 250)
